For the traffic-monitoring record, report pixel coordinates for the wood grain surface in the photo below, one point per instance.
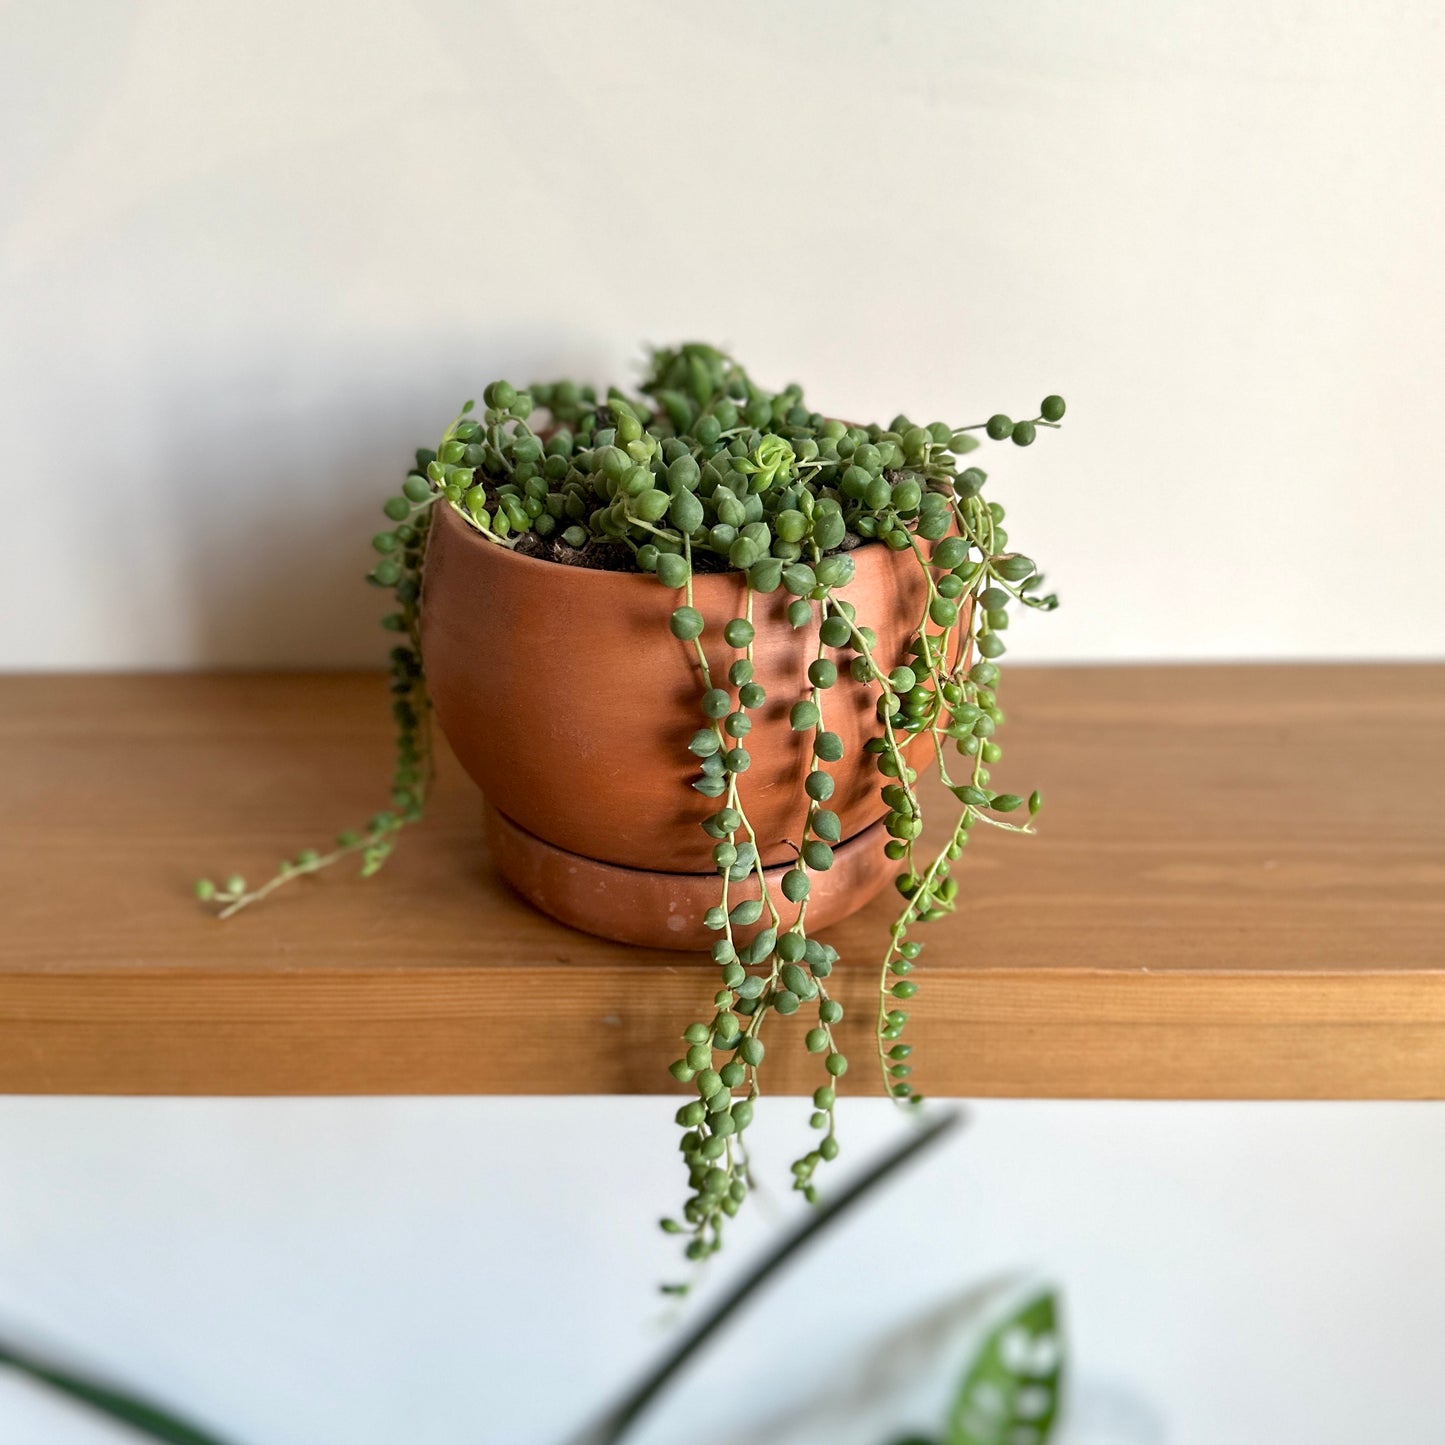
(1238, 890)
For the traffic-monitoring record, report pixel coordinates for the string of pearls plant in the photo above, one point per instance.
(708, 471)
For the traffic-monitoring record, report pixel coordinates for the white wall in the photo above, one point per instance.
(478, 1271)
(250, 255)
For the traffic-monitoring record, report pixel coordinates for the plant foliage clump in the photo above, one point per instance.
(707, 471)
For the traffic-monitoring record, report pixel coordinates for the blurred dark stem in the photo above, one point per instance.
(141, 1415)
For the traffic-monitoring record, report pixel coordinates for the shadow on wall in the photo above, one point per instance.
(273, 482)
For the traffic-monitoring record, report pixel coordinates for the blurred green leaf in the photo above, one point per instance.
(140, 1415)
(1010, 1394)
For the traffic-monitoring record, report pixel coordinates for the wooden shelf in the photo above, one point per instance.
(1238, 891)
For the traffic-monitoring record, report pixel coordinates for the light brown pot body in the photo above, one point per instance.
(570, 703)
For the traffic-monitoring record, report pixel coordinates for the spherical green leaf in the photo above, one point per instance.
(651, 505)
(943, 611)
(828, 826)
(799, 579)
(819, 785)
(685, 512)
(1014, 568)
(672, 570)
(765, 575)
(686, 623)
(950, 553)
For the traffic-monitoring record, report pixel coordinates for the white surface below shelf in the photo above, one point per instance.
(467, 1271)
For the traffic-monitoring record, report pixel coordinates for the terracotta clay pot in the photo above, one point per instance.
(567, 699)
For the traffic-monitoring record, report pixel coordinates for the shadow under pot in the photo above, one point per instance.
(565, 696)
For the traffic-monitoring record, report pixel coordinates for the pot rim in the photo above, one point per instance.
(606, 576)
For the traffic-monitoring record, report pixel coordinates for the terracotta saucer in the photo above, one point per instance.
(665, 910)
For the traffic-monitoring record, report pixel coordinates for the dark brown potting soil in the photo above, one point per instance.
(603, 556)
